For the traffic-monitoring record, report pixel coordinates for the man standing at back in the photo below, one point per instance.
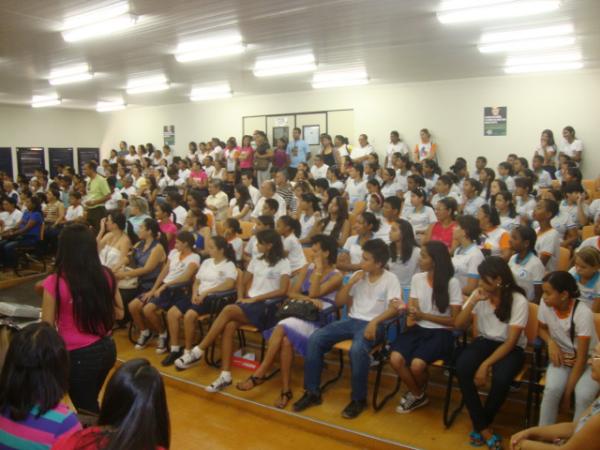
(298, 151)
(98, 193)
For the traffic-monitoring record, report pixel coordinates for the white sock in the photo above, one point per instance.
(175, 348)
(145, 333)
(197, 351)
(226, 374)
(186, 351)
(163, 335)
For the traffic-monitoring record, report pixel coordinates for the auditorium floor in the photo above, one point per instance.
(234, 419)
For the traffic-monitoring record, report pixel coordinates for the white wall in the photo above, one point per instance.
(23, 126)
(452, 110)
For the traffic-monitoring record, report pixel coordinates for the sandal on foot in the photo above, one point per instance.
(284, 399)
(476, 439)
(494, 443)
(250, 383)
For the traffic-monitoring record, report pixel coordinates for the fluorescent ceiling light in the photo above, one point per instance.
(529, 44)
(147, 84)
(211, 92)
(285, 65)
(41, 101)
(72, 74)
(340, 78)
(548, 67)
(529, 33)
(99, 22)
(110, 106)
(211, 47)
(544, 59)
(493, 10)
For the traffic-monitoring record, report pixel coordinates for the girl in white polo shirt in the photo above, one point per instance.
(587, 274)
(567, 326)
(547, 245)
(423, 215)
(525, 202)
(366, 226)
(526, 267)
(232, 231)
(289, 229)
(405, 254)
(435, 300)
(503, 202)
(500, 310)
(467, 255)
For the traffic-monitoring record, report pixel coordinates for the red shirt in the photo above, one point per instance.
(87, 439)
(439, 233)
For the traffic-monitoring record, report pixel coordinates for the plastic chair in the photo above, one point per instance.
(247, 229)
(587, 232)
(564, 259)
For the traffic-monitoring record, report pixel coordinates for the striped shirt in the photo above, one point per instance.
(37, 433)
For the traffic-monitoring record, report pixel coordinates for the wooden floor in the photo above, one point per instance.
(237, 417)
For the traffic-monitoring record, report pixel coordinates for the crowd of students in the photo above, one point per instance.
(470, 247)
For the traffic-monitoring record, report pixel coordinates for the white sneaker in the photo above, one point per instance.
(410, 402)
(188, 359)
(161, 345)
(143, 341)
(219, 384)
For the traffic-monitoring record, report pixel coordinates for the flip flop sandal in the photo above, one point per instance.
(476, 439)
(284, 399)
(254, 381)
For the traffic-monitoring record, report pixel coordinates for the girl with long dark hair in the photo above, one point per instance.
(134, 413)
(33, 384)
(435, 300)
(241, 206)
(336, 224)
(405, 253)
(501, 313)
(267, 277)
(81, 298)
(507, 212)
(467, 255)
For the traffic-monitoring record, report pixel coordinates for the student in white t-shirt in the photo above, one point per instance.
(405, 254)
(501, 311)
(251, 247)
(472, 200)
(231, 232)
(443, 189)
(216, 274)
(350, 258)
(267, 277)
(319, 168)
(496, 240)
(435, 300)
(503, 202)
(467, 255)
(525, 265)
(170, 285)
(525, 203)
(593, 241)
(587, 274)
(356, 187)
(422, 215)
(567, 327)
(547, 245)
(289, 229)
(10, 216)
(373, 296)
(396, 145)
(570, 145)
(505, 173)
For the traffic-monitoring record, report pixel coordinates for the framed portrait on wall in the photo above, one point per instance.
(280, 132)
(311, 134)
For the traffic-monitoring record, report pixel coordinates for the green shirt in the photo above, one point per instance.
(97, 188)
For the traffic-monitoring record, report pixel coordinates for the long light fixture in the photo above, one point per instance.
(528, 45)
(71, 74)
(209, 48)
(464, 11)
(110, 106)
(42, 101)
(551, 62)
(212, 92)
(285, 65)
(99, 22)
(148, 84)
(340, 78)
(519, 40)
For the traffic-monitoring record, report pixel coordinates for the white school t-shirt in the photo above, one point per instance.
(437, 197)
(392, 148)
(319, 172)
(369, 300)
(562, 223)
(490, 327)
(354, 249)
(573, 211)
(560, 328)
(251, 248)
(589, 291)
(266, 278)
(238, 247)
(593, 241)
(420, 220)
(465, 262)
(11, 220)
(177, 267)
(548, 243)
(383, 232)
(528, 272)
(306, 223)
(525, 207)
(405, 271)
(295, 256)
(570, 149)
(359, 152)
(390, 189)
(356, 190)
(211, 275)
(509, 223)
(471, 207)
(180, 215)
(73, 213)
(113, 201)
(421, 290)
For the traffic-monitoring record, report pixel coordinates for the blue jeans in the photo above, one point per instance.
(8, 249)
(321, 342)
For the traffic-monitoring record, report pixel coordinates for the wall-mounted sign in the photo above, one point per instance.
(494, 121)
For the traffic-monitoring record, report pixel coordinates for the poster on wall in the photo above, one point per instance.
(494, 121)
(85, 155)
(29, 159)
(311, 134)
(169, 134)
(59, 157)
(6, 161)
